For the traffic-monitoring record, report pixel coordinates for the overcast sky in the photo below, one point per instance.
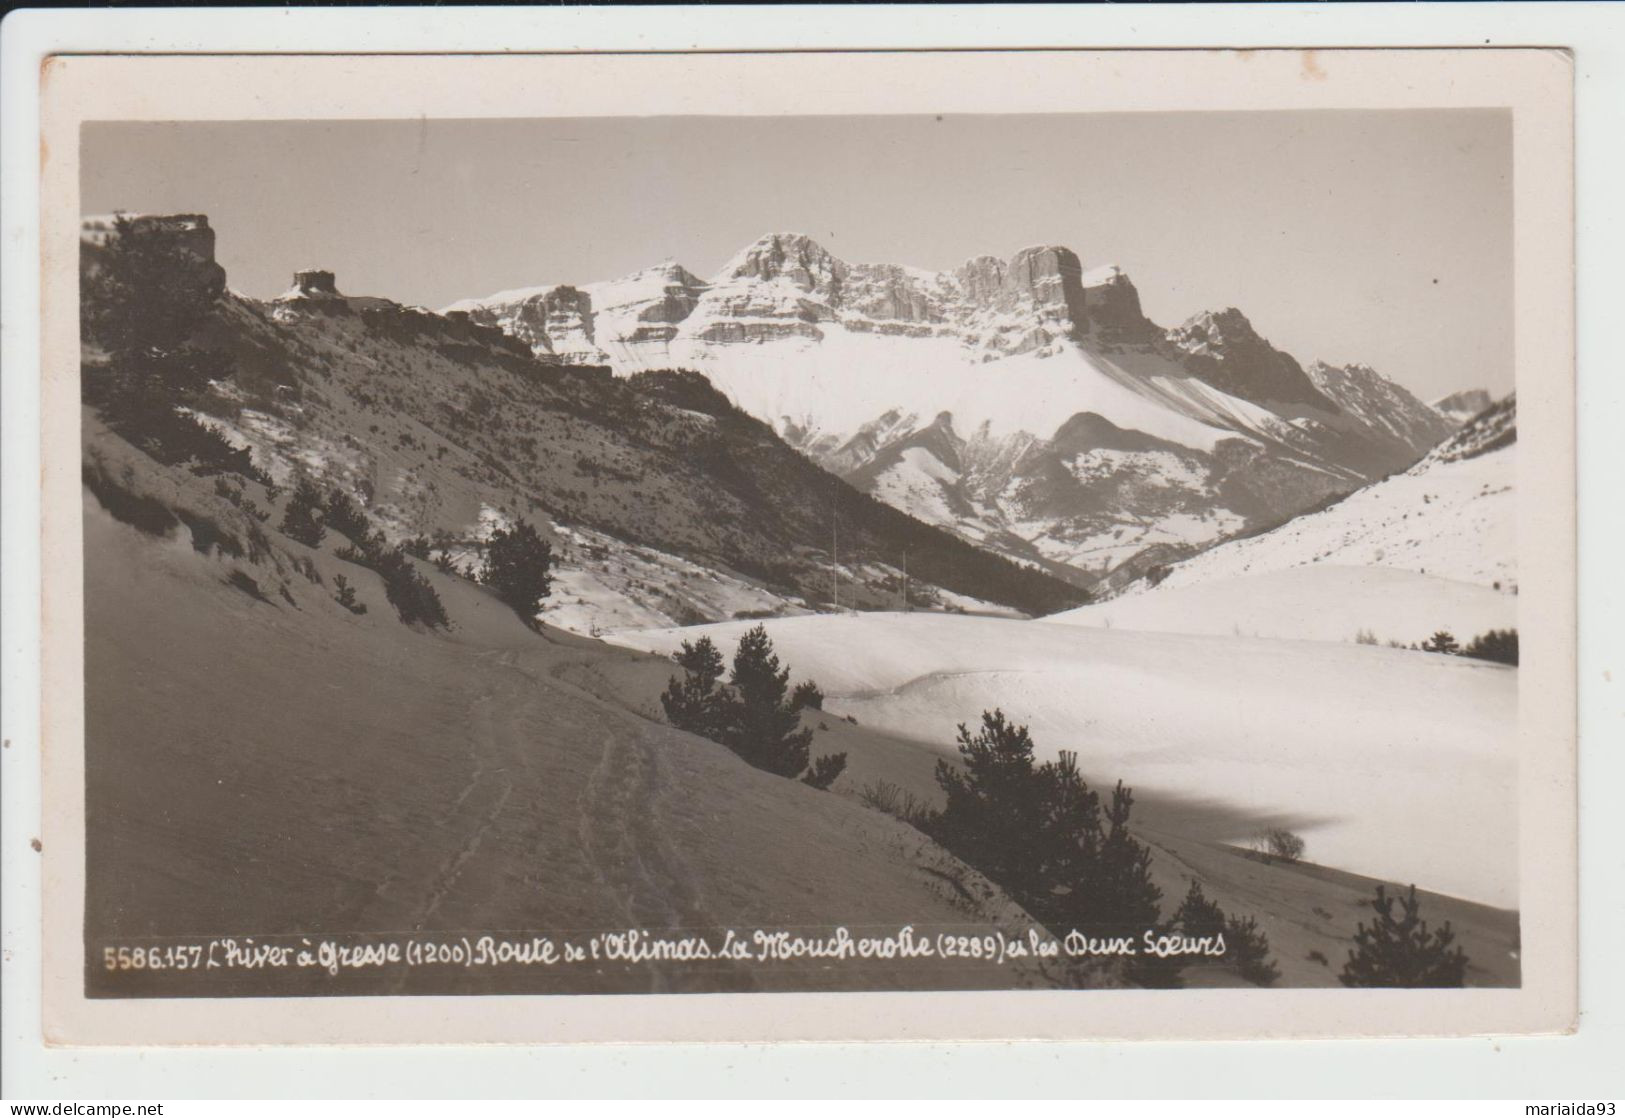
(1379, 237)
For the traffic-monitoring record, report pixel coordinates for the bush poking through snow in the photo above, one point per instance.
(807, 696)
(1400, 951)
(346, 596)
(892, 799)
(408, 591)
(825, 771)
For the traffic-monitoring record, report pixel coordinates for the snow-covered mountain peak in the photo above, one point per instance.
(793, 256)
(1215, 333)
(668, 271)
(1223, 348)
(1196, 432)
(1365, 394)
(1464, 405)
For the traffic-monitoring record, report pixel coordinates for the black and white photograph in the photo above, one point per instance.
(692, 553)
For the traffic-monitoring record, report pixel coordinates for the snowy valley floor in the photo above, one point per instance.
(1391, 764)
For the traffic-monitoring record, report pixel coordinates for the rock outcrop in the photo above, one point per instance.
(1223, 349)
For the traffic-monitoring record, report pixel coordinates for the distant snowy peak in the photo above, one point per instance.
(1491, 429)
(787, 286)
(1459, 407)
(792, 256)
(1362, 392)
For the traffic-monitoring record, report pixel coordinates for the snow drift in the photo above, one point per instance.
(1395, 764)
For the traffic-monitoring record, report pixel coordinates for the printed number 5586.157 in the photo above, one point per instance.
(182, 957)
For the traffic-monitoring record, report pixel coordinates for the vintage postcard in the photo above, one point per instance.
(809, 546)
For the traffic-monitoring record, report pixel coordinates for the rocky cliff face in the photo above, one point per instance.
(1223, 349)
(786, 286)
(1113, 307)
(556, 323)
(856, 364)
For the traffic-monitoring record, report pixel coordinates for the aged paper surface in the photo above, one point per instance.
(646, 851)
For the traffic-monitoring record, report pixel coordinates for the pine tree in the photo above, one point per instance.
(694, 703)
(1498, 645)
(1037, 831)
(825, 771)
(518, 563)
(1442, 641)
(991, 818)
(300, 517)
(1198, 916)
(341, 513)
(701, 658)
(1248, 949)
(1127, 895)
(345, 595)
(1400, 951)
(144, 296)
(1066, 839)
(764, 729)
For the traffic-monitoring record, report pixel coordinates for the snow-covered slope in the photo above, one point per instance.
(1362, 392)
(1321, 601)
(852, 362)
(664, 504)
(1396, 764)
(1451, 516)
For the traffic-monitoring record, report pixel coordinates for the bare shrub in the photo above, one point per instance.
(894, 800)
(1278, 842)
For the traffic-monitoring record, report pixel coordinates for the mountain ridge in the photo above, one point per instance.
(661, 498)
(848, 361)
